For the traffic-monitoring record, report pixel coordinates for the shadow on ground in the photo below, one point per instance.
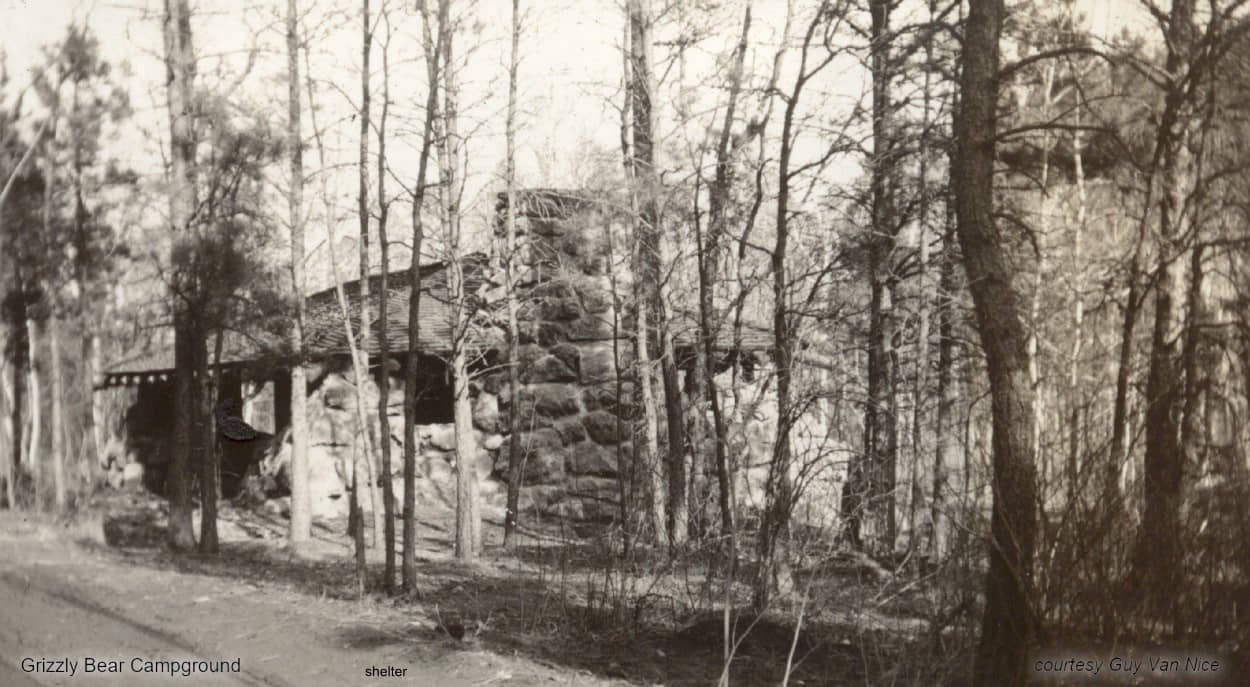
(566, 605)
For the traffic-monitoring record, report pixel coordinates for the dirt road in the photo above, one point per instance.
(51, 636)
(62, 603)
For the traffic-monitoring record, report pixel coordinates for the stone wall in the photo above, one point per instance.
(574, 416)
(575, 401)
(334, 440)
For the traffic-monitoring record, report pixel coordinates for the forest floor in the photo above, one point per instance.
(555, 611)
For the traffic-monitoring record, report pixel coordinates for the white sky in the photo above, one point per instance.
(570, 79)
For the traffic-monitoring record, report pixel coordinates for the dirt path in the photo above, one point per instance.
(46, 621)
(60, 600)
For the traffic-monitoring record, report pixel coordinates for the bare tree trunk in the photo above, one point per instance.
(468, 514)
(773, 542)
(384, 345)
(355, 528)
(1008, 625)
(356, 525)
(651, 261)
(95, 413)
(301, 498)
(869, 493)
(627, 479)
(366, 320)
(88, 320)
(515, 458)
(922, 327)
(180, 68)
(646, 447)
(1157, 557)
(647, 450)
(1078, 321)
(7, 425)
(34, 413)
(1124, 367)
(360, 375)
(206, 445)
(709, 271)
(433, 56)
(15, 392)
(921, 386)
(946, 428)
(57, 429)
(1035, 324)
(59, 488)
(17, 402)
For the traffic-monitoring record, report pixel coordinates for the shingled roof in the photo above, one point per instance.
(325, 334)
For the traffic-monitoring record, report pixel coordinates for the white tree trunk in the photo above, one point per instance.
(6, 424)
(301, 499)
(59, 487)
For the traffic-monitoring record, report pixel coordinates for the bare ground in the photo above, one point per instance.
(550, 613)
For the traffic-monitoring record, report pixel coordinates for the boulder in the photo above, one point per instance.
(555, 289)
(131, 474)
(325, 482)
(492, 382)
(603, 397)
(542, 332)
(605, 427)
(591, 328)
(544, 467)
(548, 369)
(570, 430)
(539, 406)
(338, 395)
(597, 497)
(596, 293)
(598, 363)
(568, 354)
(330, 426)
(588, 458)
(441, 437)
(481, 461)
(544, 456)
(556, 401)
(491, 442)
(527, 354)
(486, 412)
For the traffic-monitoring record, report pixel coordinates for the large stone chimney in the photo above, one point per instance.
(575, 423)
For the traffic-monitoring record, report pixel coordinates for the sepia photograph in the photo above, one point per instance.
(624, 343)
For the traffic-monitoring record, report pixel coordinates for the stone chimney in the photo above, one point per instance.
(570, 355)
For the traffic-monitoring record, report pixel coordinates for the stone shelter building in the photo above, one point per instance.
(576, 398)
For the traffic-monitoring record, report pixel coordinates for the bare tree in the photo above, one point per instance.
(51, 289)
(384, 346)
(649, 344)
(709, 250)
(180, 70)
(301, 508)
(1158, 555)
(515, 457)
(1008, 625)
(650, 227)
(433, 49)
(468, 515)
(34, 410)
(358, 369)
(362, 200)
